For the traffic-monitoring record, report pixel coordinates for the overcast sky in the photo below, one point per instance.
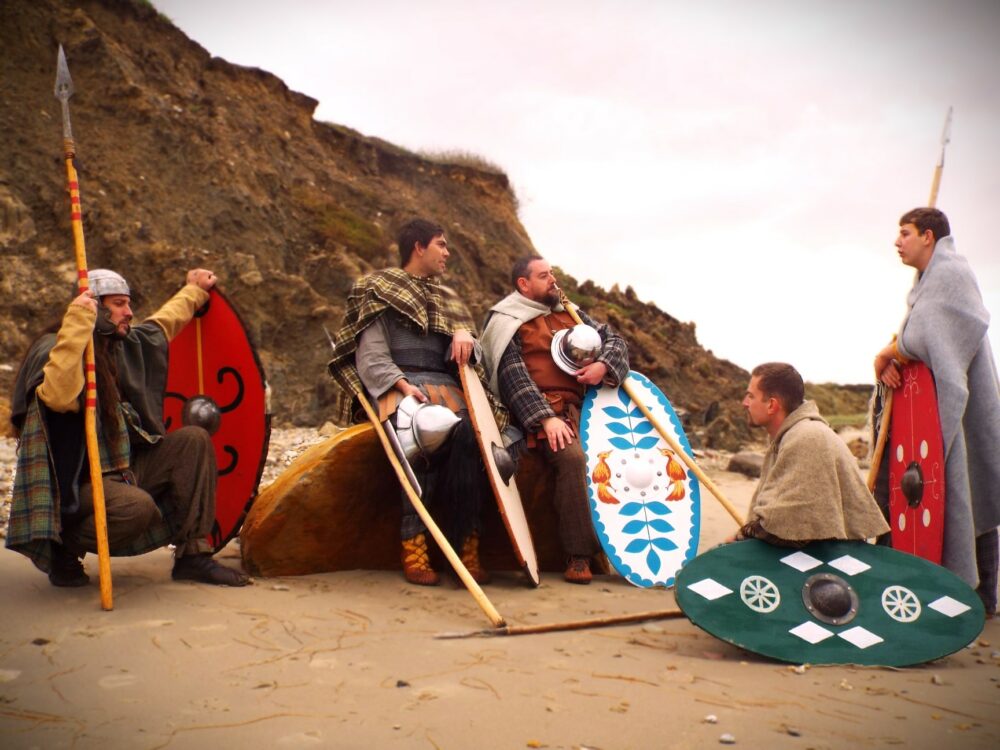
(743, 165)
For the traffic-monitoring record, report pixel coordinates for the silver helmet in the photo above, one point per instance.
(423, 428)
(576, 347)
(102, 282)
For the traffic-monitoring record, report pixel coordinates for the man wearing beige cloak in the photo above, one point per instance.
(810, 488)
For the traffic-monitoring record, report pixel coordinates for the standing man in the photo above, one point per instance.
(810, 488)
(158, 488)
(403, 335)
(544, 399)
(945, 328)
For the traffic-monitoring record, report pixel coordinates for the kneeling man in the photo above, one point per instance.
(810, 488)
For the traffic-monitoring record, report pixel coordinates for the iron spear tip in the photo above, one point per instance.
(946, 133)
(64, 84)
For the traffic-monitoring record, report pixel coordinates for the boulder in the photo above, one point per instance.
(337, 507)
(746, 462)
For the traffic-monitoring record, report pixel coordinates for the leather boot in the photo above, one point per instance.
(67, 568)
(417, 563)
(470, 559)
(578, 570)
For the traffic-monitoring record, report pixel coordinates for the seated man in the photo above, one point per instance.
(158, 488)
(544, 399)
(403, 335)
(810, 487)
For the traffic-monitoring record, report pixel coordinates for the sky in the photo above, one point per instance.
(741, 165)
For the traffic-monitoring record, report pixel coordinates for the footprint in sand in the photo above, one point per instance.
(302, 739)
(328, 663)
(114, 681)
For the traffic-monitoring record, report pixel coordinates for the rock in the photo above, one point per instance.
(746, 462)
(727, 739)
(726, 432)
(333, 492)
(328, 429)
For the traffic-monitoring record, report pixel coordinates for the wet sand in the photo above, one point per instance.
(349, 660)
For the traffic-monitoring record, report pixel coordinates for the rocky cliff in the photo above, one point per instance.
(187, 160)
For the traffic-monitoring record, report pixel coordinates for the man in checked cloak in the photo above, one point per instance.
(404, 334)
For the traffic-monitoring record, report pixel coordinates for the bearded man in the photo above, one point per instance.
(545, 399)
(158, 488)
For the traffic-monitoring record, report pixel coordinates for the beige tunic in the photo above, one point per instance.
(810, 487)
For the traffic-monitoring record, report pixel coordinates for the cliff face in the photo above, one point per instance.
(186, 160)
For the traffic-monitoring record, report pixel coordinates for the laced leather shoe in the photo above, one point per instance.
(204, 569)
(578, 570)
(417, 563)
(470, 559)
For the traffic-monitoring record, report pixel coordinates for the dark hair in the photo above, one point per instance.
(927, 218)
(520, 268)
(781, 381)
(416, 232)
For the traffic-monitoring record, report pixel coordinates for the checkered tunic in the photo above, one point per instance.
(429, 305)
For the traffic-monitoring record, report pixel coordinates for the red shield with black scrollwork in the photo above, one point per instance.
(215, 379)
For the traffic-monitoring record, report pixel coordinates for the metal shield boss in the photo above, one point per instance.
(423, 428)
(576, 347)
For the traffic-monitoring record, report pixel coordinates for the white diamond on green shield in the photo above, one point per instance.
(801, 561)
(850, 565)
(810, 631)
(948, 606)
(710, 589)
(860, 637)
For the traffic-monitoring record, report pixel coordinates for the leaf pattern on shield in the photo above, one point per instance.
(631, 433)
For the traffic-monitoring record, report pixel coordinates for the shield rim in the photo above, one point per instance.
(527, 559)
(620, 565)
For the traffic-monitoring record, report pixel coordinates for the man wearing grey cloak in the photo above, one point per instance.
(945, 328)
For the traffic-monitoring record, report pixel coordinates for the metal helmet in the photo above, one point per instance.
(576, 347)
(103, 282)
(423, 428)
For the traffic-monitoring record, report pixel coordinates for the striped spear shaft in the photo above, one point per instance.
(63, 91)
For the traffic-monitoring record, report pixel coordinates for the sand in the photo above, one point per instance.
(349, 660)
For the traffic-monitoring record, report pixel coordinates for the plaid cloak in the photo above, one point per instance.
(433, 308)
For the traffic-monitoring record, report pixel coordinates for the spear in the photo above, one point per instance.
(63, 91)
(410, 486)
(883, 428)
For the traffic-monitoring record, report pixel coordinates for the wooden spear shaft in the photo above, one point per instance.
(435, 531)
(883, 428)
(64, 89)
(557, 627)
(666, 435)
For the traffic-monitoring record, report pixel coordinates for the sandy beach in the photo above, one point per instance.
(349, 660)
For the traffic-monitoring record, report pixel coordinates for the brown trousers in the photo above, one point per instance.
(173, 479)
(576, 530)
